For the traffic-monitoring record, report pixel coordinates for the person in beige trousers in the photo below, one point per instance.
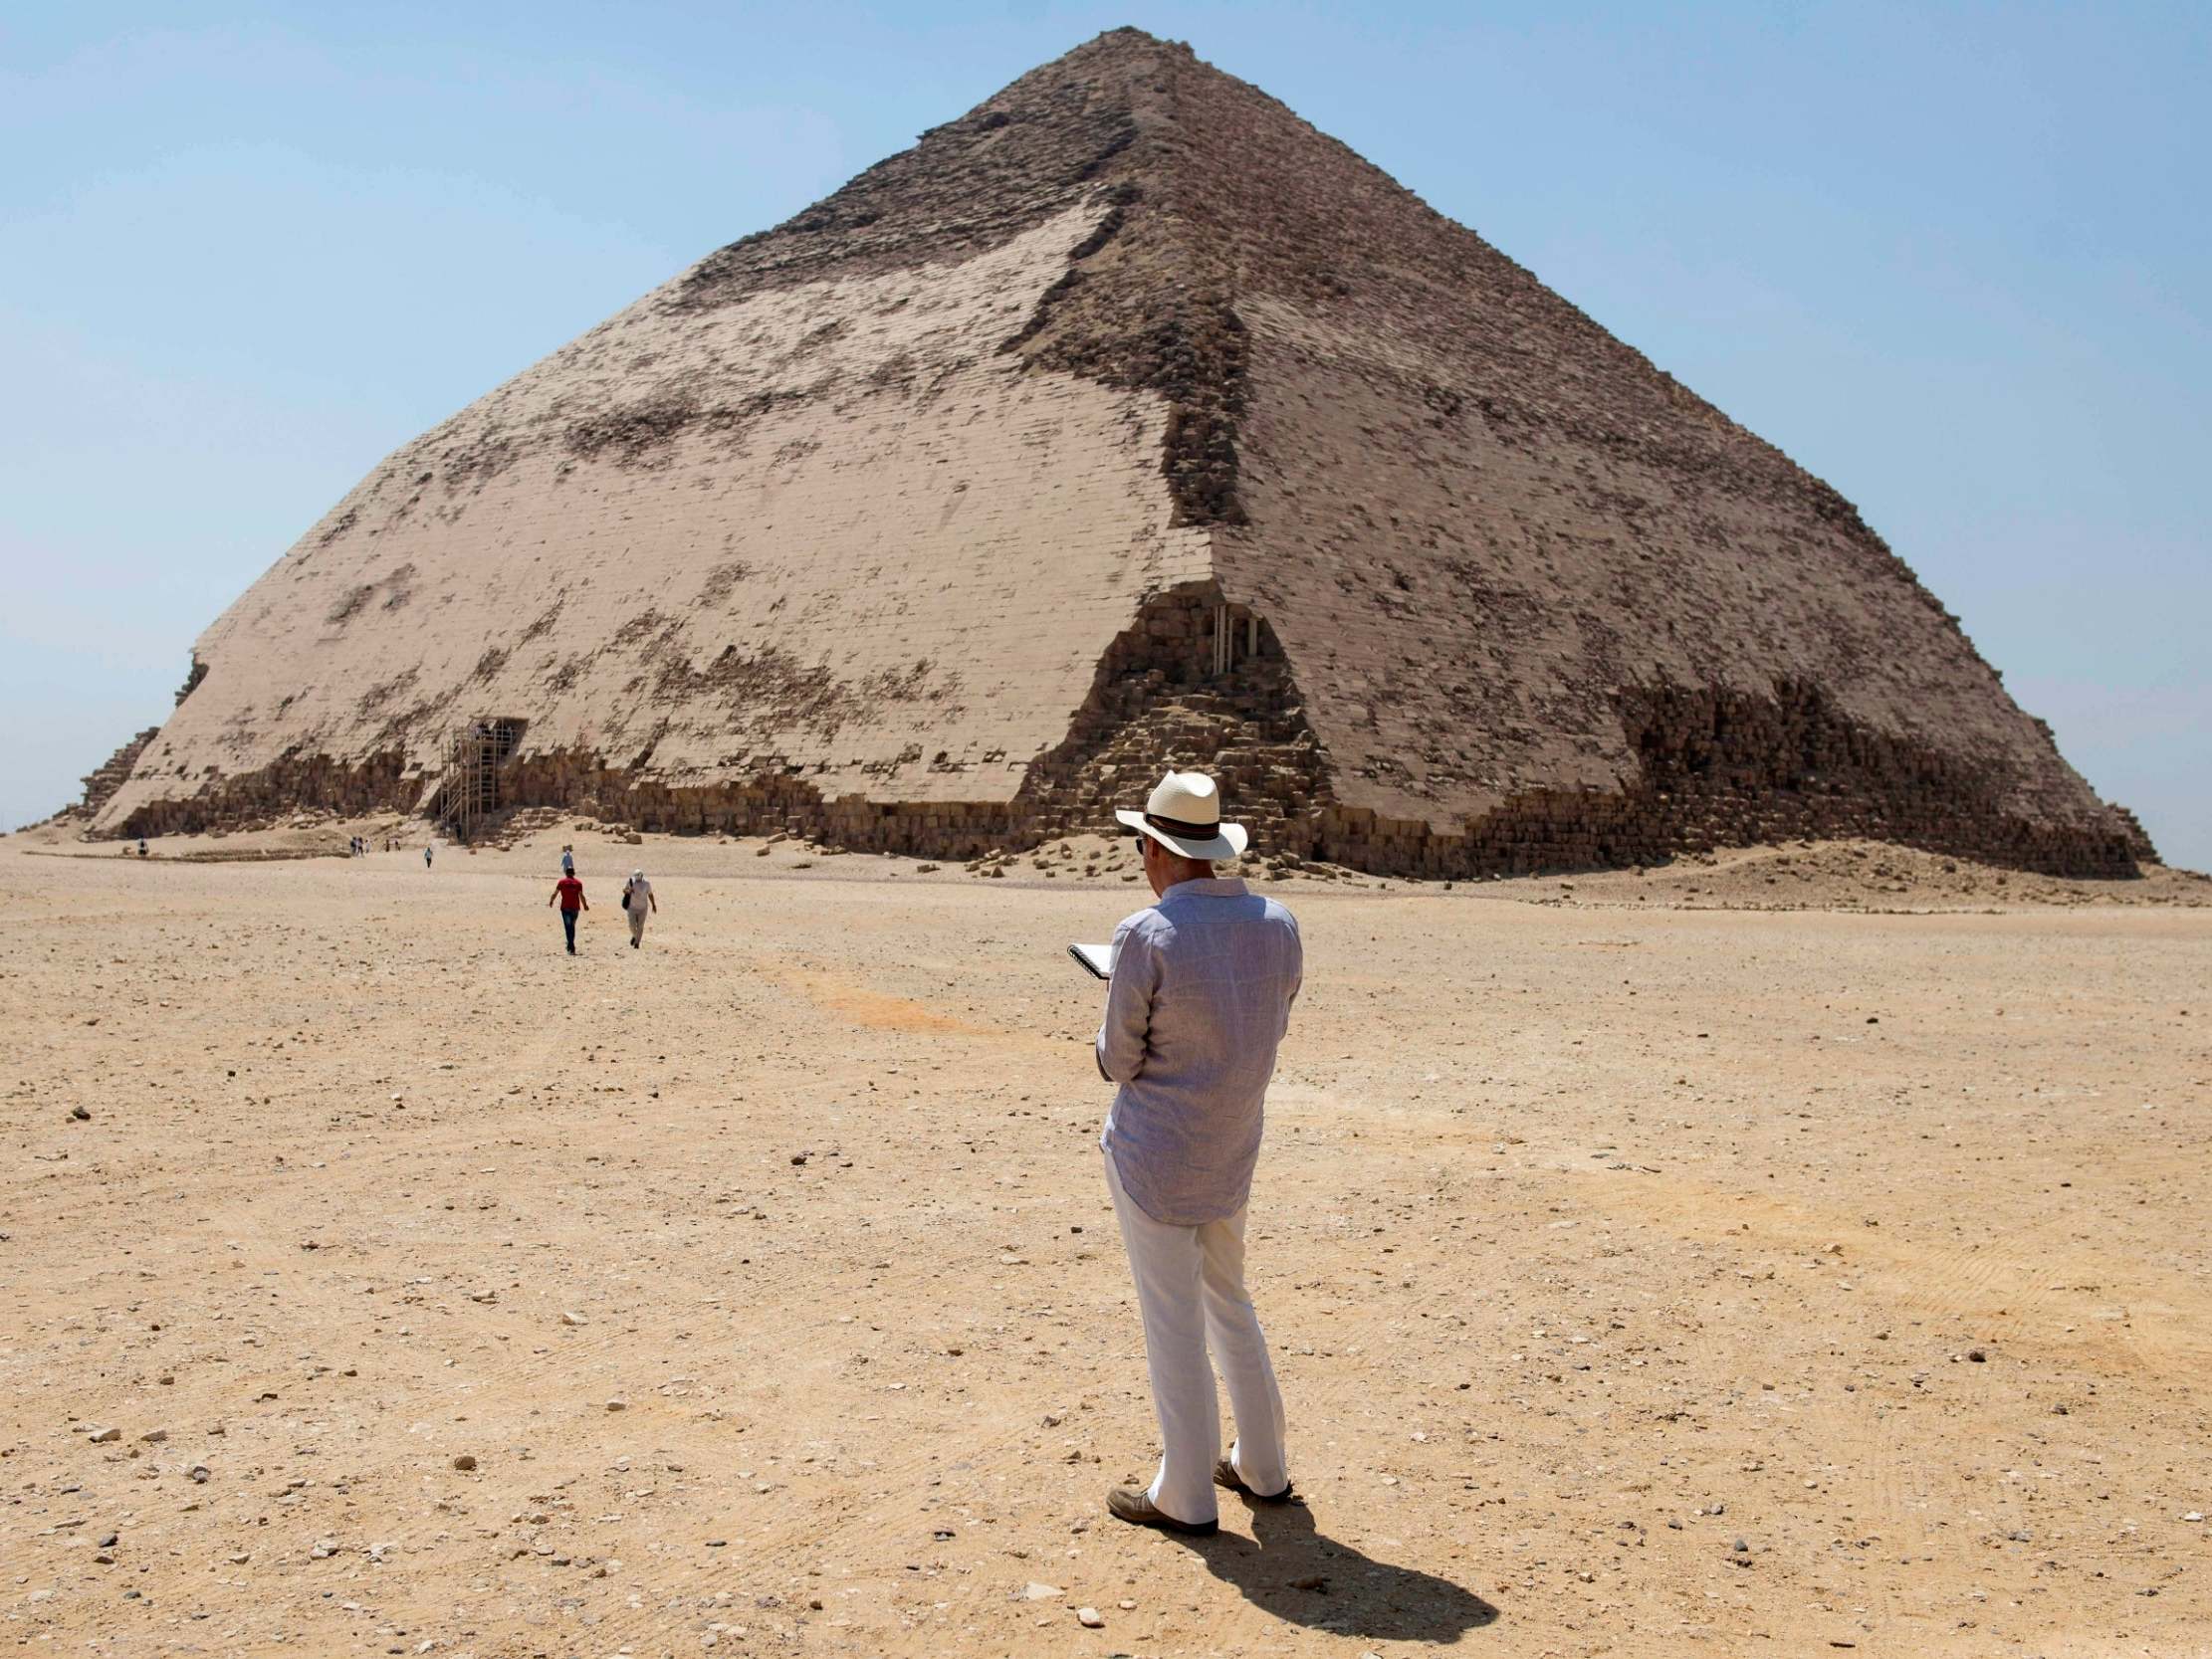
(1198, 1001)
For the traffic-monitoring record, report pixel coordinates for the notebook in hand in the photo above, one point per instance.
(1097, 960)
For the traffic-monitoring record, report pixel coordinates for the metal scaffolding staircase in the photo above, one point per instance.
(470, 794)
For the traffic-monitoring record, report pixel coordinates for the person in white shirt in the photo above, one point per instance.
(638, 902)
(1198, 1001)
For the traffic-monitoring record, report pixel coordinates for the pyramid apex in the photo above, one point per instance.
(1127, 48)
(1130, 37)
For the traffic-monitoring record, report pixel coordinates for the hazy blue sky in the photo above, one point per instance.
(1954, 259)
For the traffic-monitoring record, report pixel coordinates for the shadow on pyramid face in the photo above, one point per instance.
(1293, 1571)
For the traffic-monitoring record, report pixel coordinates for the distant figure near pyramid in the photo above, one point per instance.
(1124, 421)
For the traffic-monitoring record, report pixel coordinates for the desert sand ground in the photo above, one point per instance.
(1645, 1278)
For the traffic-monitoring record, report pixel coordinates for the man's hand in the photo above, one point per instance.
(1123, 1034)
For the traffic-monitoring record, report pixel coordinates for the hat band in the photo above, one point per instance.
(1183, 827)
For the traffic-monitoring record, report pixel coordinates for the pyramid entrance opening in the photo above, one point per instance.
(1195, 682)
(471, 795)
(1232, 636)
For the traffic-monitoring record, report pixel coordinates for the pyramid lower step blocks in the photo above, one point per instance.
(1722, 768)
(1717, 768)
(1291, 811)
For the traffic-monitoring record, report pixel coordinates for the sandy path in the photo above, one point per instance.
(1577, 1225)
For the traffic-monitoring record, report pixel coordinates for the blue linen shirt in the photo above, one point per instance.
(1198, 1001)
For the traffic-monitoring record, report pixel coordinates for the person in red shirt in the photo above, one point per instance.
(567, 892)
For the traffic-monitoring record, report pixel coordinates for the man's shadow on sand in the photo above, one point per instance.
(1290, 1568)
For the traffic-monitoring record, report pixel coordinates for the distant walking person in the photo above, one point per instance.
(567, 892)
(428, 848)
(637, 899)
(567, 861)
(1198, 999)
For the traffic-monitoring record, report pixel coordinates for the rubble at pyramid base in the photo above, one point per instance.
(1719, 769)
(1544, 833)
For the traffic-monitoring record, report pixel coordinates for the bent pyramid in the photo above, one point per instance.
(1125, 420)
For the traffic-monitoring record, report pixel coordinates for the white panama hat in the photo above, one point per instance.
(1185, 816)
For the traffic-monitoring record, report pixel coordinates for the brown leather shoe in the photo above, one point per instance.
(1225, 1474)
(1134, 1505)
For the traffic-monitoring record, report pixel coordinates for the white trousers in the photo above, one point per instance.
(1190, 1294)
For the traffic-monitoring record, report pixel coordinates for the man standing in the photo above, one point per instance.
(567, 892)
(567, 861)
(1199, 998)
